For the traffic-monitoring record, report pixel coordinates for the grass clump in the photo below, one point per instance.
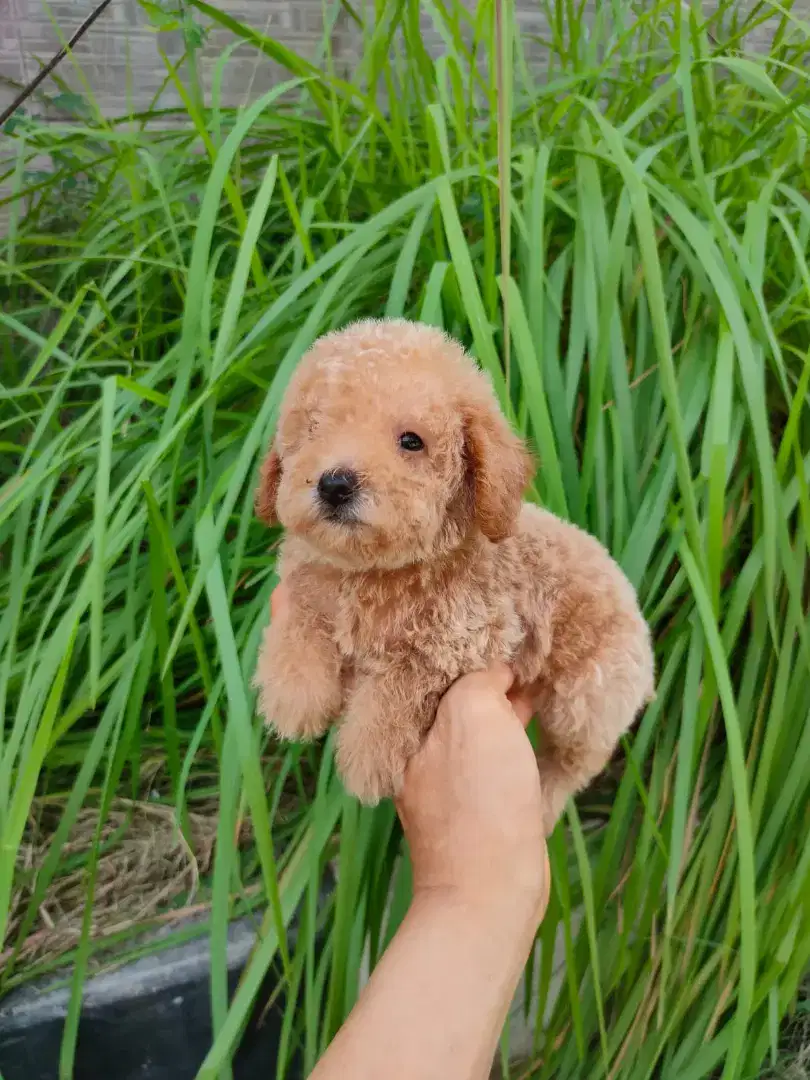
(622, 241)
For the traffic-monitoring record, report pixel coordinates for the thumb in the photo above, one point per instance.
(500, 678)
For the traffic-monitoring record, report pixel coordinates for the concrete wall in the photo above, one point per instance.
(120, 55)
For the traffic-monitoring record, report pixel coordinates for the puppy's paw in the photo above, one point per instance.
(370, 761)
(555, 795)
(299, 709)
(551, 815)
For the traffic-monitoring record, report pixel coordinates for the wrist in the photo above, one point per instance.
(495, 936)
(517, 911)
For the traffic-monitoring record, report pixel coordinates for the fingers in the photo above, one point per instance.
(501, 680)
(499, 677)
(522, 705)
(471, 691)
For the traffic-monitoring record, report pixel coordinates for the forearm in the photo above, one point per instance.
(437, 1001)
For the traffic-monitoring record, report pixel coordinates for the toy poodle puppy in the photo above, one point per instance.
(410, 560)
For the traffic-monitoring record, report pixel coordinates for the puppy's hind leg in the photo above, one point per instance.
(582, 718)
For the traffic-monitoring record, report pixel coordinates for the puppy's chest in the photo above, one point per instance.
(452, 630)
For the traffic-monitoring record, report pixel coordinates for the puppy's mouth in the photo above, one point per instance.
(345, 514)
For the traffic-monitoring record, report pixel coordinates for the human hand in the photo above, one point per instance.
(471, 805)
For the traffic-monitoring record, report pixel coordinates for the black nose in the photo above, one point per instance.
(338, 486)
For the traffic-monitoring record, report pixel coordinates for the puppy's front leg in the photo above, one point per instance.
(299, 671)
(386, 717)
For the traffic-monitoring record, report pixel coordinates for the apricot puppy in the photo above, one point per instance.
(410, 560)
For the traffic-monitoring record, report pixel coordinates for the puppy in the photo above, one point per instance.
(410, 560)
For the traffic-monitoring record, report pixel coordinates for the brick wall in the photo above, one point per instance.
(120, 55)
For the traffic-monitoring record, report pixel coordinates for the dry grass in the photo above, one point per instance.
(793, 1062)
(147, 868)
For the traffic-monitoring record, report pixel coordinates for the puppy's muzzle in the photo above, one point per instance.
(337, 490)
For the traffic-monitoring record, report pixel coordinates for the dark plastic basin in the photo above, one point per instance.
(148, 1020)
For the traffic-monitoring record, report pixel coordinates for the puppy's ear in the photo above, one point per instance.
(266, 492)
(501, 467)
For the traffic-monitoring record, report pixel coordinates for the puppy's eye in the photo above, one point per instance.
(409, 440)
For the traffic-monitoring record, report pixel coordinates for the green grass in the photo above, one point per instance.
(623, 243)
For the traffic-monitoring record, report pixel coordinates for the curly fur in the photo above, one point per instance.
(439, 570)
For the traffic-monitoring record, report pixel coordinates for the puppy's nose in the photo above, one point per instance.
(338, 486)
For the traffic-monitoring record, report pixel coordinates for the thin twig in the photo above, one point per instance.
(635, 382)
(28, 90)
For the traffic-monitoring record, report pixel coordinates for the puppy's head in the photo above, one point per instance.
(391, 449)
